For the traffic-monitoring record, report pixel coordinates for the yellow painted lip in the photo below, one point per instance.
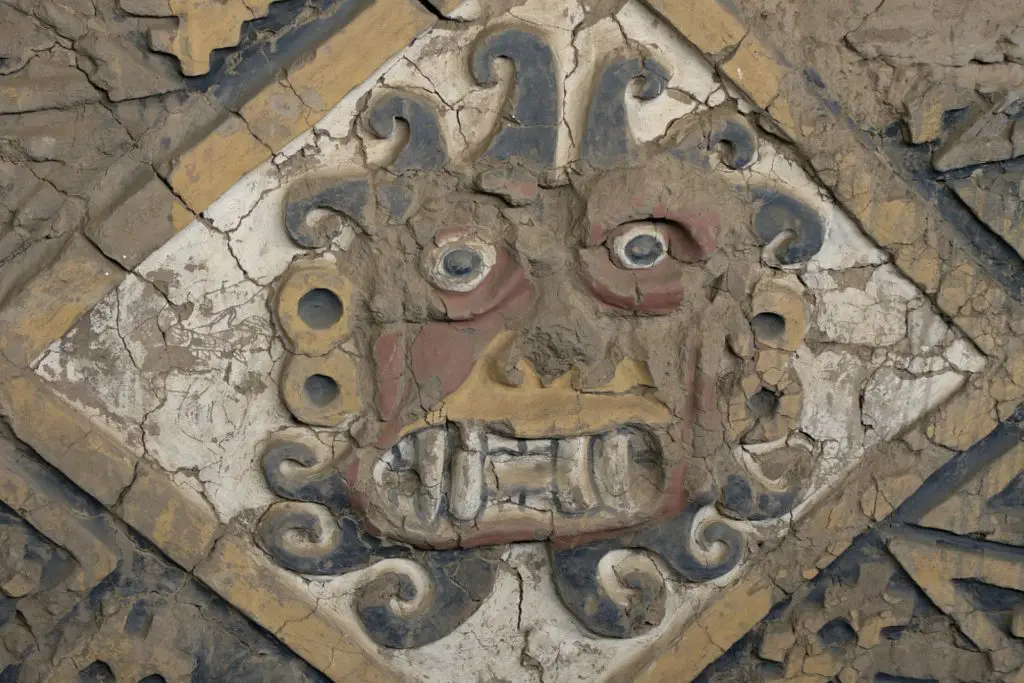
(558, 410)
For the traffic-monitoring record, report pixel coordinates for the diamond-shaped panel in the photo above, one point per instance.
(520, 351)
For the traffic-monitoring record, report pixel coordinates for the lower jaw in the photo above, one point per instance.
(488, 489)
(500, 526)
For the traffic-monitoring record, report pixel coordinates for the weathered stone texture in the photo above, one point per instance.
(239, 572)
(300, 210)
(86, 105)
(211, 166)
(82, 598)
(178, 521)
(46, 306)
(946, 33)
(350, 56)
(201, 28)
(277, 114)
(756, 69)
(65, 62)
(997, 199)
(92, 459)
(711, 26)
(136, 227)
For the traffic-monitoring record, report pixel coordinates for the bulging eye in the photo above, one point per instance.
(461, 266)
(639, 248)
(462, 263)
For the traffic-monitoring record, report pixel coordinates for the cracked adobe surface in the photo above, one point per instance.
(545, 278)
(612, 316)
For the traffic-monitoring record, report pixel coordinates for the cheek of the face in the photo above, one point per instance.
(639, 235)
(392, 386)
(474, 284)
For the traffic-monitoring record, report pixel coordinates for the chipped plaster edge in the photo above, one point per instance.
(228, 143)
(185, 528)
(244, 576)
(817, 539)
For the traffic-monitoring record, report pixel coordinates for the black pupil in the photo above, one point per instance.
(461, 262)
(644, 250)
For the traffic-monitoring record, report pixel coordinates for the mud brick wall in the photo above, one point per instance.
(511, 340)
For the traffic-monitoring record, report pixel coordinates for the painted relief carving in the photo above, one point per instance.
(202, 27)
(562, 357)
(530, 347)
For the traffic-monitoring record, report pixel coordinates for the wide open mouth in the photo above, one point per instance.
(450, 482)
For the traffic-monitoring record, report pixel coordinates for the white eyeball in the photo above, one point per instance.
(640, 248)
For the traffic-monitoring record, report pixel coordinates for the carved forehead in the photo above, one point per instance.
(553, 213)
(666, 186)
(459, 212)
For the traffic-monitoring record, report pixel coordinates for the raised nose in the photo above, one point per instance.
(561, 342)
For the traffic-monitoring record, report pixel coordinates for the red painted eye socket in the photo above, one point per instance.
(646, 244)
(655, 290)
(472, 277)
(640, 245)
(686, 237)
(637, 266)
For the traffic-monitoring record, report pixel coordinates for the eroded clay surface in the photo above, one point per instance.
(553, 382)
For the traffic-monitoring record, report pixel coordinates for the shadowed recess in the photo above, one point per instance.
(320, 308)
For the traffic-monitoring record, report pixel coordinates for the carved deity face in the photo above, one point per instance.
(529, 284)
(535, 362)
(509, 352)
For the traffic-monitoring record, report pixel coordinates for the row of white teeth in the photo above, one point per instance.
(585, 472)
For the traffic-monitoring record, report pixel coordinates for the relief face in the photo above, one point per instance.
(517, 357)
(507, 351)
(533, 292)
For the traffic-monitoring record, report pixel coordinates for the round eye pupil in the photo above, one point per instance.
(461, 262)
(644, 250)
